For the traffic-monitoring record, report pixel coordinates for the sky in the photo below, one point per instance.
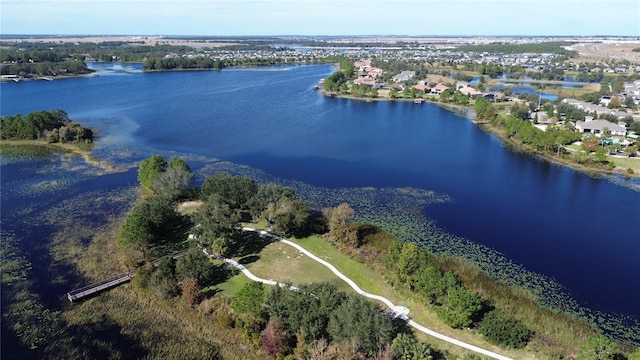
(327, 17)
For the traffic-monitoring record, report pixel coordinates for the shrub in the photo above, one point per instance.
(599, 348)
(503, 330)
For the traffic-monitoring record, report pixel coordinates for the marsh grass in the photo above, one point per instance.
(400, 212)
(554, 334)
(27, 150)
(71, 241)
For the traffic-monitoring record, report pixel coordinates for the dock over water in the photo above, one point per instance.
(93, 289)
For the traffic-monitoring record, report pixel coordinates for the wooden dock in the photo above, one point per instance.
(93, 289)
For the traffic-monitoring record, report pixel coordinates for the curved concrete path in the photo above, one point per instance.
(399, 311)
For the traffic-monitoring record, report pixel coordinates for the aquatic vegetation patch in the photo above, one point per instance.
(14, 153)
(22, 312)
(41, 186)
(400, 212)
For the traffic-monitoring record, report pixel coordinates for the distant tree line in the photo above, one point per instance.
(46, 68)
(556, 47)
(54, 126)
(181, 63)
(51, 59)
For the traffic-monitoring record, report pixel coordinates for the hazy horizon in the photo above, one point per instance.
(428, 18)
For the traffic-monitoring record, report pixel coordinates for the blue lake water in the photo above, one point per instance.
(527, 83)
(580, 230)
(526, 90)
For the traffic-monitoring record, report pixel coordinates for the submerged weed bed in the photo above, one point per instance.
(400, 212)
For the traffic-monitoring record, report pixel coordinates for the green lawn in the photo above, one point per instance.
(281, 262)
(233, 285)
(626, 163)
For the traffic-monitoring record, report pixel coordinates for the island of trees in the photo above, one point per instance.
(319, 317)
(53, 126)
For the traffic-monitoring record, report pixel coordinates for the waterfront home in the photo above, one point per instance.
(597, 127)
(471, 92)
(422, 87)
(439, 89)
(365, 80)
(600, 110)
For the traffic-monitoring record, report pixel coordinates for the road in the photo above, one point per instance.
(399, 311)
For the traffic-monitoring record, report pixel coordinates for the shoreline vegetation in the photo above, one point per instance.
(450, 292)
(43, 133)
(495, 125)
(134, 319)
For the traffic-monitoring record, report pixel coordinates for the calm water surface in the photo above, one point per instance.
(579, 230)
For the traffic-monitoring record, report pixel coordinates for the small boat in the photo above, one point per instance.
(418, 101)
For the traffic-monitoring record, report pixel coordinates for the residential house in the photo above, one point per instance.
(404, 76)
(439, 89)
(362, 64)
(365, 80)
(422, 87)
(374, 71)
(596, 127)
(471, 92)
(462, 84)
(494, 96)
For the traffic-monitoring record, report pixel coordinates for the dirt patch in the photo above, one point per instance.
(189, 204)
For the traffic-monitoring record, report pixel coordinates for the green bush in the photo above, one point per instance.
(503, 330)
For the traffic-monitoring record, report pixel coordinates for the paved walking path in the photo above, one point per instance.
(399, 311)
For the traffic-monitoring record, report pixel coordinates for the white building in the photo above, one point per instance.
(596, 127)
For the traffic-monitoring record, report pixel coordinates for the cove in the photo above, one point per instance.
(579, 230)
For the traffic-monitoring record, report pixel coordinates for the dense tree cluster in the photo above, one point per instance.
(152, 229)
(484, 110)
(550, 141)
(319, 318)
(171, 180)
(182, 63)
(414, 269)
(231, 199)
(46, 68)
(186, 276)
(54, 126)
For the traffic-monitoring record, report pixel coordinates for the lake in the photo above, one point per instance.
(579, 230)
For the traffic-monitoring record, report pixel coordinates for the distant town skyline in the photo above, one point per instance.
(313, 17)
